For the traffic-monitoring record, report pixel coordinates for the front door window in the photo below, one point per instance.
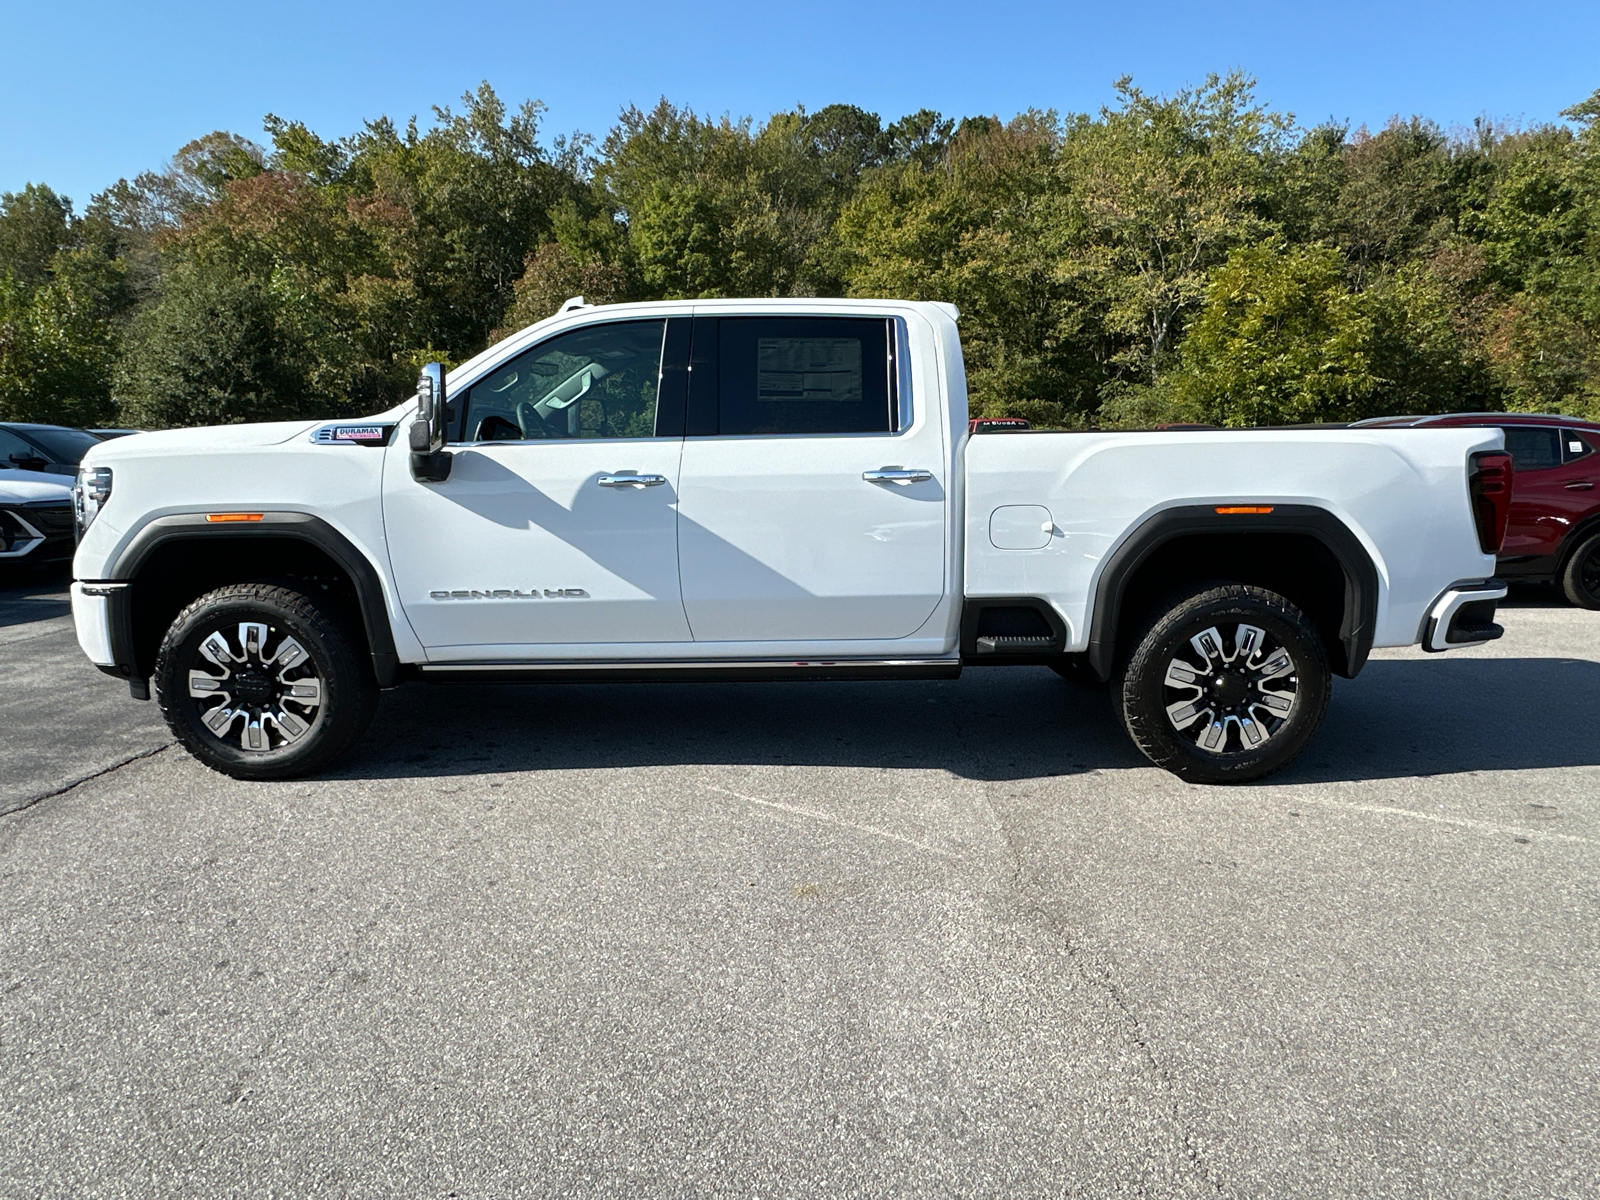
(601, 381)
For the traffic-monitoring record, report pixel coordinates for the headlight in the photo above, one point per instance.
(89, 496)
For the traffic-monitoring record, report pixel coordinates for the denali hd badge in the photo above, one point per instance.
(513, 594)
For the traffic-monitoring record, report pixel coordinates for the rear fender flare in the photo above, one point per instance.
(1360, 613)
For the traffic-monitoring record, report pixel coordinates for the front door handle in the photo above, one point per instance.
(633, 481)
(1580, 485)
(897, 475)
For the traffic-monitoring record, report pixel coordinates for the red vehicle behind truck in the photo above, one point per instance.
(1553, 534)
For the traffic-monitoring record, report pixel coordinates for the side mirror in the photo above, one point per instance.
(430, 461)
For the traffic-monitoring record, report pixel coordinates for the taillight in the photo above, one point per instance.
(1490, 483)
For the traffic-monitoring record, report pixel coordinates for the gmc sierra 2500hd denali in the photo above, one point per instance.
(767, 489)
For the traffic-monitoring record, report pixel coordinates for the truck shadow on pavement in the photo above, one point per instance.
(1401, 718)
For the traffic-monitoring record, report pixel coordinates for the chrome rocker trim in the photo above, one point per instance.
(682, 670)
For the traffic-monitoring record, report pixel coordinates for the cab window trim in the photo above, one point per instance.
(900, 342)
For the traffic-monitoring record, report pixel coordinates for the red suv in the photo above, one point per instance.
(1554, 531)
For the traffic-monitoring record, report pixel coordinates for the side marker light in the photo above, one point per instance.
(1229, 510)
(216, 517)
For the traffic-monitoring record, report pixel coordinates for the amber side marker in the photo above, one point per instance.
(234, 516)
(1229, 510)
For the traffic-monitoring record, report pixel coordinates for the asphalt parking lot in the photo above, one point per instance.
(806, 940)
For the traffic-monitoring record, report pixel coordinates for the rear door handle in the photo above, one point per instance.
(633, 481)
(1580, 485)
(897, 475)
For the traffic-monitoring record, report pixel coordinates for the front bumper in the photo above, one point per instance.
(1463, 615)
(102, 614)
(91, 617)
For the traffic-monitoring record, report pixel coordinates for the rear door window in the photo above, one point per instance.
(1533, 447)
(1575, 445)
(799, 375)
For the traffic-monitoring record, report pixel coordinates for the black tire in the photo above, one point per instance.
(306, 708)
(1075, 668)
(1266, 709)
(1580, 578)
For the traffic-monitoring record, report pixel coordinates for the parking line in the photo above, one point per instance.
(1464, 822)
(829, 819)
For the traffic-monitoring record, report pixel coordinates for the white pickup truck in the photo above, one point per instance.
(767, 489)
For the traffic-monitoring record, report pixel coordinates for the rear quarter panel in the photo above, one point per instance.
(1402, 492)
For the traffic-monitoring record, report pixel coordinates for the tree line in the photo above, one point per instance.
(1192, 257)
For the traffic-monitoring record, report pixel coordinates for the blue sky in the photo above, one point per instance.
(92, 91)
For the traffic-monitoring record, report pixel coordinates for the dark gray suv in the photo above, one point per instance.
(54, 449)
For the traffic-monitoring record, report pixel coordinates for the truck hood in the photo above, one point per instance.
(24, 487)
(207, 439)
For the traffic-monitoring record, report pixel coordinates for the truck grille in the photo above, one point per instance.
(52, 520)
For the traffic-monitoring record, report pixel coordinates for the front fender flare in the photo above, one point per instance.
(296, 526)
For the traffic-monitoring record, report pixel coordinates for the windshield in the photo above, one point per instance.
(64, 445)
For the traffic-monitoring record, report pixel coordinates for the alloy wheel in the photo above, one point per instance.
(1231, 689)
(257, 686)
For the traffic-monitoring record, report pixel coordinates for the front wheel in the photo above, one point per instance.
(258, 682)
(1580, 579)
(1226, 684)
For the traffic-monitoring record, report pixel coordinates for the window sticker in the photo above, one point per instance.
(808, 369)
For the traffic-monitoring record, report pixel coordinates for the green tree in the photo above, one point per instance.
(1395, 198)
(554, 275)
(1169, 255)
(35, 226)
(970, 229)
(57, 345)
(347, 259)
(212, 351)
(1281, 339)
(62, 296)
(721, 208)
(1425, 350)
(471, 198)
(1154, 194)
(1539, 230)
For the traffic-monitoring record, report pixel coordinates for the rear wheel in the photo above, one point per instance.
(258, 682)
(1225, 684)
(1580, 579)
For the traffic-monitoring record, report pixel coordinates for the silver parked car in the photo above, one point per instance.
(35, 517)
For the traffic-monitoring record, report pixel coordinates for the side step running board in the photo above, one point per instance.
(1015, 644)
